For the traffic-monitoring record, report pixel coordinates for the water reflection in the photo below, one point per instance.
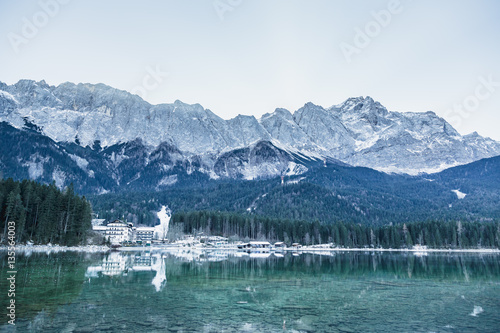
(172, 263)
(195, 290)
(119, 263)
(45, 281)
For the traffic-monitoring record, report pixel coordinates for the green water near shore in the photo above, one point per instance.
(220, 292)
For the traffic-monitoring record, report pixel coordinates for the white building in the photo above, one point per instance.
(216, 241)
(119, 232)
(144, 234)
(101, 229)
(260, 245)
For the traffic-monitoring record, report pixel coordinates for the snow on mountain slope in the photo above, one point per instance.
(258, 160)
(283, 128)
(359, 131)
(407, 142)
(246, 130)
(460, 195)
(325, 129)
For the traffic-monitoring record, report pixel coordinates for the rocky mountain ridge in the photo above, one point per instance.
(127, 133)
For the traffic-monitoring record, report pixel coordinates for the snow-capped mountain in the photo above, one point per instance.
(124, 132)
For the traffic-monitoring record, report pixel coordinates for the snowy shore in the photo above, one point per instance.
(169, 247)
(174, 247)
(419, 252)
(401, 250)
(57, 248)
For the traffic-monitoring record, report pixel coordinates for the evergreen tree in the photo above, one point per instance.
(43, 213)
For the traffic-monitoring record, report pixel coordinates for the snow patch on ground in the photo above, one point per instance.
(364, 144)
(102, 190)
(253, 206)
(416, 135)
(295, 169)
(459, 194)
(81, 162)
(35, 169)
(7, 95)
(118, 158)
(164, 215)
(256, 171)
(413, 172)
(137, 176)
(213, 175)
(59, 177)
(167, 181)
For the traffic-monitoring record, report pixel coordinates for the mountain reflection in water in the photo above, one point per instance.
(192, 290)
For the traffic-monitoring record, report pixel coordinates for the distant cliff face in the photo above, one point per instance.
(114, 137)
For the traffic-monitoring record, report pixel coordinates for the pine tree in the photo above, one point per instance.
(13, 208)
(459, 234)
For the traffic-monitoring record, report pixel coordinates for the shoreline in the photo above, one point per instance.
(172, 247)
(57, 248)
(302, 249)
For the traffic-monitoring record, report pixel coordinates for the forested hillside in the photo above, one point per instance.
(43, 213)
(328, 193)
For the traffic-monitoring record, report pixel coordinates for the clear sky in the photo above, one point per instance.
(252, 56)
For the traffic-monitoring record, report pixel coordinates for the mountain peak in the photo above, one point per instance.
(360, 131)
(357, 103)
(189, 107)
(364, 106)
(279, 112)
(472, 135)
(245, 117)
(310, 105)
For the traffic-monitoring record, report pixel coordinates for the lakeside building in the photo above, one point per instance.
(260, 245)
(119, 232)
(255, 245)
(145, 234)
(279, 245)
(214, 240)
(100, 229)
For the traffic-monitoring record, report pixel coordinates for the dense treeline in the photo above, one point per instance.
(366, 200)
(43, 213)
(431, 233)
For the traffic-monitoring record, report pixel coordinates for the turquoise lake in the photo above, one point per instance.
(237, 292)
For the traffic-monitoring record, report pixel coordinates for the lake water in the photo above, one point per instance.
(236, 292)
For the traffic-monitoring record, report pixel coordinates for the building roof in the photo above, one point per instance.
(145, 229)
(118, 223)
(99, 227)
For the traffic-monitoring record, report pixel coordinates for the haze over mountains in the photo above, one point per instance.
(105, 139)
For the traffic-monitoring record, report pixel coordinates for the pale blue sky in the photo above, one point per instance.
(265, 54)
